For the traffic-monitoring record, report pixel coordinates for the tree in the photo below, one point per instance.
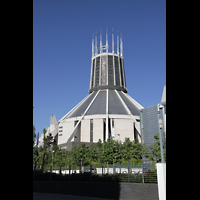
(40, 159)
(100, 151)
(110, 153)
(139, 150)
(34, 135)
(74, 155)
(94, 155)
(55, 146)
(44, 149)
(154, 150)
(40, 149)
(60, 158)
(82, 155)
(44, 139)
(35, 155)
(127, 150)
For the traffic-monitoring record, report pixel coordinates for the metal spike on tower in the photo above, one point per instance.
(107, 68)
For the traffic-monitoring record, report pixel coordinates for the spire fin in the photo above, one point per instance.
(93, 45)
(121, 45)
(112, 40)
(106, 39)
(100, 41)
(96, 51)
(117, 42)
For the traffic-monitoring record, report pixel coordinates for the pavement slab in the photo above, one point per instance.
(53, 196)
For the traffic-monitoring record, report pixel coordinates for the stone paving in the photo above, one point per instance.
(52, 196)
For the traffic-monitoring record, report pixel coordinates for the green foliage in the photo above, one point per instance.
(34, 135)
(40, 149)
(154, 150)
(60, 157)
(127, 149)
(107, 152)
(44, 139)
(55, 147)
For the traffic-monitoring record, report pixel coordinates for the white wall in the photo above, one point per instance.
(97, 130)
(161, 176)
(85, 130)
(124, 127)
(68, 127)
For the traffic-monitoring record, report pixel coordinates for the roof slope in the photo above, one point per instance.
(115, 105)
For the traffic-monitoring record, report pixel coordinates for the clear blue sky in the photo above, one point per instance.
(62, 43)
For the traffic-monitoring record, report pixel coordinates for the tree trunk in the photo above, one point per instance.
(128, 169)
(42, 166)
(60, 169)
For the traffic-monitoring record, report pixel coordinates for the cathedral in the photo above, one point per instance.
(107, 111)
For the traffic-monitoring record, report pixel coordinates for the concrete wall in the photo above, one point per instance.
(161, 175)
(97, 130)
(68, 127)
(124, 127)
(110, 190)
(85, 130)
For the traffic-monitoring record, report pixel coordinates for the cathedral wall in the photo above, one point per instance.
(98, 130)
(124, 127)
(85, 130)
(67, 128)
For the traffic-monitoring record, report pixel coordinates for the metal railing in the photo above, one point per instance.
(125, 173)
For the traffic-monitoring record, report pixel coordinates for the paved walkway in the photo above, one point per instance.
(52, 196)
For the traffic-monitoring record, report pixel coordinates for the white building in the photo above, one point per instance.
(107, 111)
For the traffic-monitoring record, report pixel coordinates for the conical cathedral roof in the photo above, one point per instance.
(107, 92)
(116, 100)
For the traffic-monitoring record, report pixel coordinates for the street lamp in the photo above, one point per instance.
(119, 136)
(160, 126)
(52, 161)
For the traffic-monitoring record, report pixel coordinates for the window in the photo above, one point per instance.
(60, 127)
(103, 70)
(135, 132)
(110, 71)
(60, 130)
(97, 71)
(117, 71)
(75, 122)
(104, 129)
(112, 123)
(60, 134)
(91, 130)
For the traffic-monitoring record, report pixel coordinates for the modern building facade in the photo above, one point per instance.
(153, 121)
(107, 111)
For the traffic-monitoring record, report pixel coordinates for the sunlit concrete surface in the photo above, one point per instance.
(52, 196)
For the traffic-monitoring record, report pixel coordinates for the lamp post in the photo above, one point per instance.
(160, 126)
(119, 151)
(51, 165)
(52, 161)
(119, 137)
